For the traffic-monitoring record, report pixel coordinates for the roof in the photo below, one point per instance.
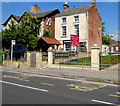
(75, 10)
(38, 15)
(16, 17)
(114, 43)
(12, 16)
(50, 40)
(44, 14)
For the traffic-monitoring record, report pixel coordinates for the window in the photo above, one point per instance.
(117, 48)
(76, 18)
(63, 20)
(48, 21)
(76, 29)
(63, 31)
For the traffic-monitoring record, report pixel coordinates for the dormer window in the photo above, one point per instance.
(76, 18)
(63, 20)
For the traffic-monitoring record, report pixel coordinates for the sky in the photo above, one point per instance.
(108, 11)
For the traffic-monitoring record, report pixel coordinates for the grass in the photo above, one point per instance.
(105, 61)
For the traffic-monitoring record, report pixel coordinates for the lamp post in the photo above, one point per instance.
(12, 43)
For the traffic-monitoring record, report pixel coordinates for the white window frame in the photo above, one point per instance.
(64, 20)
(76, 30)
(64, 32)
(76, 18)
(117, 48)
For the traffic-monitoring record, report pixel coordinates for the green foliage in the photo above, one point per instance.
(106, 38)
(48, 33)
(118, 41)
(108, 60)
(24, 33)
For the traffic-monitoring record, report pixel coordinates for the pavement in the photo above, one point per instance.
(71, 73)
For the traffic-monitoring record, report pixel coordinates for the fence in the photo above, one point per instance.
(83, 60)
(64, 56)
(85, 66)
(44, 56)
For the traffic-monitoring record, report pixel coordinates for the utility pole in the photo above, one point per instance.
(12, 43)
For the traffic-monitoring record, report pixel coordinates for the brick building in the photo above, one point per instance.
(84, 21)
(114, 47)
(47, 19)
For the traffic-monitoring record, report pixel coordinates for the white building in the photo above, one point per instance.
(79, 21)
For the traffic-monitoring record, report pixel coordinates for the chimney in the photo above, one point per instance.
(35, 9)
(65, 5)
(94, 2)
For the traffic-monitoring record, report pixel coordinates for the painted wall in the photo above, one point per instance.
(70, 27)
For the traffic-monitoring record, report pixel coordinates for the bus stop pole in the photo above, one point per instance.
(11, 56)
(12, 43)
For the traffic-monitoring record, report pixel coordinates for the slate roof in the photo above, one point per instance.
(75, 10)
(38, 15)
(17, 17)
(52, 41)
(44, 14)
(113, 42)
(12, 16)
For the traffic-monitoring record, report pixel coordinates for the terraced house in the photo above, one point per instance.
(84, 21)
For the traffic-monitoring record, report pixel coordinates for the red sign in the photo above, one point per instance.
(74, 40)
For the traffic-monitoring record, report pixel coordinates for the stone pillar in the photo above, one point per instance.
(38, 59)
(64, 47)
(28, 59)
(50, 56)
(95, 58)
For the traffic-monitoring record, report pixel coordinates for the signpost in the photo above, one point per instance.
(74, 42)
(12, 43)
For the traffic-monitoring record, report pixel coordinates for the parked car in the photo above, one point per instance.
(18, 51)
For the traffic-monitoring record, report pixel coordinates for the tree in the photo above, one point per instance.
(106, 38)
(48, 33)
(25, 32)
(118, 41)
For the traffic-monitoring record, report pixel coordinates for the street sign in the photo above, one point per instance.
(74, 40)
(13, 42)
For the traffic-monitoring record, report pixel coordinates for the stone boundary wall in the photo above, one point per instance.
(26, 64)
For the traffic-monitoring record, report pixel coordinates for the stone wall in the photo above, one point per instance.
(26, 64)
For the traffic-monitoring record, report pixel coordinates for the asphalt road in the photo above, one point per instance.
(18, 88)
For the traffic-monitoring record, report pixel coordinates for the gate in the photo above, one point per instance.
(32, 59)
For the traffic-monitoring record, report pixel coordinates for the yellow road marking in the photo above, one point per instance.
(85, 88)
(9, 76)
(114, 95)
(118, 92)
(79, 89)
(47, 84)
(102, 86)
(71, 85)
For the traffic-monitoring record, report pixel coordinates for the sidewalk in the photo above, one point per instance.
(71, 73)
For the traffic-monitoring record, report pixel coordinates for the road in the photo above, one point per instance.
(19, 88)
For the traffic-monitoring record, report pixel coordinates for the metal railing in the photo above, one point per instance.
(87, 66)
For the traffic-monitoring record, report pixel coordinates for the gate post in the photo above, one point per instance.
(95, 58)
(38, 59)
(50, 56)
(28, 59)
